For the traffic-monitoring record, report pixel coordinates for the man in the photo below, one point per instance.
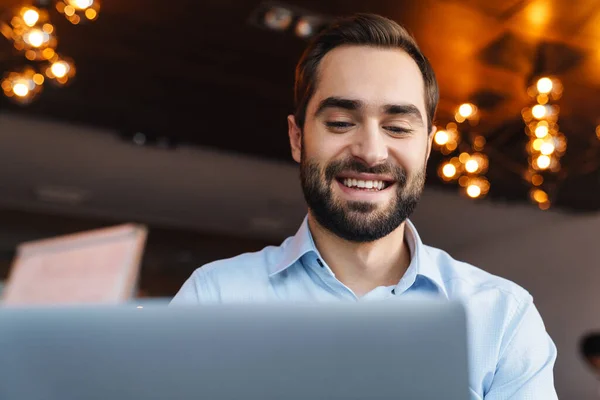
(362, 133)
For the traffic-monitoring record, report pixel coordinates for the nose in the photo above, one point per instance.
(369, 145)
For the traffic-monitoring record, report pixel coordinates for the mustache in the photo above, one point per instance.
(335, 168)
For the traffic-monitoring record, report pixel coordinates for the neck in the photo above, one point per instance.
(363, 266)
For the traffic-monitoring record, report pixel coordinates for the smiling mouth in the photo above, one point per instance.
(365, 185)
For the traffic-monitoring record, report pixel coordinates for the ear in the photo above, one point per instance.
(430, 141)
(295, 134)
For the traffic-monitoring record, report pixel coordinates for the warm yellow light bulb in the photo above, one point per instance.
(21, 89)
(537, 144)
(541, 131)
(544, 85)
(538, 111)
(90, 13)
(449, 170)
(38, 79)
(472, 166)
(537, 180)
(35, 38)
(547, 148)
(441, 137)
(59, 69)
(48, 53)
(543, 161)
(81, 4)
(473, 191)
(465, 110)
(31, 17)
(539, 196)
(544, 206)
(69, 10)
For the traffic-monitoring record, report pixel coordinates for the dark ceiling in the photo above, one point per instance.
(204, 73)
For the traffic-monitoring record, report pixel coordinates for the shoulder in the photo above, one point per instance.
(495, 303)
(463, 279)
(232, 278)
(497, 308)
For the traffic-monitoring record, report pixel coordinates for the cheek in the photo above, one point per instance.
(323, 147)
(410, 154)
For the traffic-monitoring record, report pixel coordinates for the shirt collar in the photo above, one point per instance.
(420, 259)
(294, 248)
(302, 243)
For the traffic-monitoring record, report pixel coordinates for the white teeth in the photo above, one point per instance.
(377, 185)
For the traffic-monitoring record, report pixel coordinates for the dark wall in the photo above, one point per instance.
(170, 256)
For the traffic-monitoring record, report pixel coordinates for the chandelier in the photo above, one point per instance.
(546, 144)
(465, 160)
(33, 35)
(466, 163)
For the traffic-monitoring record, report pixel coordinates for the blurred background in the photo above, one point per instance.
(173, 115)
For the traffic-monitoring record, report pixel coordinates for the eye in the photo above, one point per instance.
(398, 130)
(339, 126)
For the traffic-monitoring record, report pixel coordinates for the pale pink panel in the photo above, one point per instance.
(100, 266)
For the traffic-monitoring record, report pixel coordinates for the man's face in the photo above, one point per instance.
(364, 145)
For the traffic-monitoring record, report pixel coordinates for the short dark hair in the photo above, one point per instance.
(362, 30)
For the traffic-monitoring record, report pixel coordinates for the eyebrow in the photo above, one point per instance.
(338, 102)
(408, 110)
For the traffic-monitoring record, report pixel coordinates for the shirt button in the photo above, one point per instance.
(320, 262)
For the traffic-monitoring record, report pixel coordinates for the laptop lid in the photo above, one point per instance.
(400, 349)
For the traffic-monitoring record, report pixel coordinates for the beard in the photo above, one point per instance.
(358, 221)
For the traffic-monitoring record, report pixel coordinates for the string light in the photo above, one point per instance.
(441, 137)
(540, 197)
(543, 161)
(537, 180)
(544, 85)
(473, 191)
(278, 18)
(546, 143)
(447, 139)
(307, 26)
(479, 143)
(450, 170)
(30, 16)
(541, 130)
(471, 164)
(31, 32)
(539, 111)
(60, 70)
(77, 11)
(22, 86)
(476, 163)
(466, 111)
(476, 187)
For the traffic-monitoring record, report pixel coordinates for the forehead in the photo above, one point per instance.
(376, 76)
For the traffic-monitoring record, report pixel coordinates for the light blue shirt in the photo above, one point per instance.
(510, 354)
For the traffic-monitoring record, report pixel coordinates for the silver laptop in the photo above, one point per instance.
(406, 349)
